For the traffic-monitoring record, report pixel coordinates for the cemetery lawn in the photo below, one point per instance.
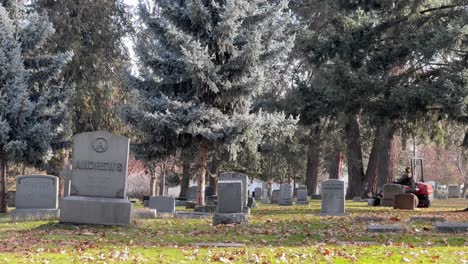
(274, 234)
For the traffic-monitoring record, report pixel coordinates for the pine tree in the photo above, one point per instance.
(94, 31)
(389, 61)
(203, 63)
(32, 100)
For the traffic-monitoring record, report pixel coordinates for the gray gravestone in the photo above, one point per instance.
(235, 176)
(302, 197)
(98, 186)
(389, 192)
(192, 193)
(452, 227)
(36, 197)
(275, 196)
(265, 198)
(258, 193)
(286, 195)
(36, 192)
(453, 191)
(162, 204)
(230, 197)
(386, 228)
(230, 208)
(333, 197)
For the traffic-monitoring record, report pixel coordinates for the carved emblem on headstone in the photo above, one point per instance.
(100, 145)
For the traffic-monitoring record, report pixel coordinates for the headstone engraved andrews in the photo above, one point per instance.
(98, 188)
(36, 197)
(333, 197)
(286, 195)
(230, 209)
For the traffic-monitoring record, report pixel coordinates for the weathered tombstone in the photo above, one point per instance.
(333, 197)
(236, 176)
(286, 195)
(98, 188)
(162, 204)
(265, 198)
(389, 192)
(146, 199)
(302, 197)
(407, 201)
(36, 197)
(258, 193)
(192, 194)
(275, 196)
(453, 191)
(230, 208)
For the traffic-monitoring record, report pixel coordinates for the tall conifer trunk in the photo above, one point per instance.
(313, 159)
(202, 162)
(3, 186)
(184, 185)
(336, 165)
(383, 157)
(354, 157)
(214, 173)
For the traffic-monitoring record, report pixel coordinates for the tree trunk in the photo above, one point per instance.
(202, 162)
(214, 173)
(354, 157)
(153, 181)
(336, 166)
(313, 159)
(162, 180)
(387, 155)
(184, 184)
(3, 186)
(373, 165)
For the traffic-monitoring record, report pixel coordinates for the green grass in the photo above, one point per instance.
(274, 235)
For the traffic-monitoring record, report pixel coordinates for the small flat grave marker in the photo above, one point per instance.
(452, 227)
(386, 228)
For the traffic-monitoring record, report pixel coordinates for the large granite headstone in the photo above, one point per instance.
(162, 204)
(36, 197)
(333, 197)
(98, 188)
(453, 191)
(389, 192)
(286, 195)
(230, 209)
(236, 176)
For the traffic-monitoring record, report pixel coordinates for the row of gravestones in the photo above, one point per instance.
(96, 188)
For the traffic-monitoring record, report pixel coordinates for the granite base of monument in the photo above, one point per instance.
(302, 202)
(95, 210)
(34, 214)
(229, 218)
